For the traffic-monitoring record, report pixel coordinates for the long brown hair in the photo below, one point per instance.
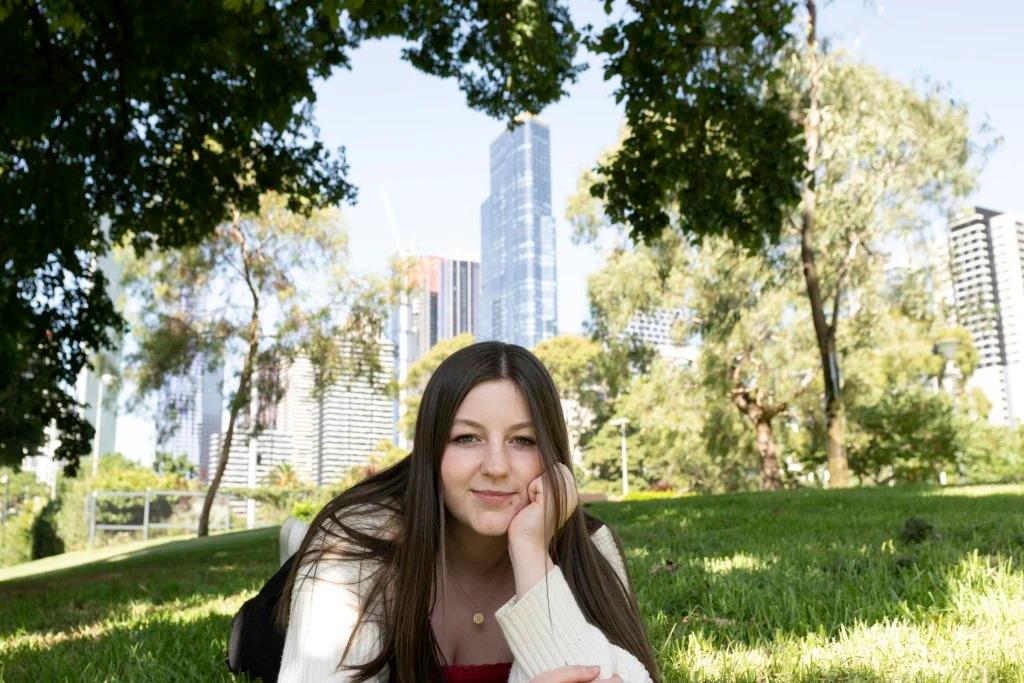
(401, 591)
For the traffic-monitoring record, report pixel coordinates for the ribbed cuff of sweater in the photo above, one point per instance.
(546, 629)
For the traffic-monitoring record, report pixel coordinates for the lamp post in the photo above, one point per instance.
(950, 374)
(948, 379)
(104, 380)
(621, 424)
(6, 481)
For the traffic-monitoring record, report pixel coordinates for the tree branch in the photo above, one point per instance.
(841, 275)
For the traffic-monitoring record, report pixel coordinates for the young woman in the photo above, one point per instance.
(469, 560)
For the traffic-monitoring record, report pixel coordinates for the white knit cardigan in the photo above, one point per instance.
(545, 629)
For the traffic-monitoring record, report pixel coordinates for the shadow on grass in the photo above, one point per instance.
(160, 649)
(217, 545)
(186, 573)
(748, 568)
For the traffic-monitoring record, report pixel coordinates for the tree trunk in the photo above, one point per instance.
(761, 417)
(835, 411)
(771, 475)
(241, 399)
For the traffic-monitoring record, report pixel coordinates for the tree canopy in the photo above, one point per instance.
(739, 122)
(154, 121)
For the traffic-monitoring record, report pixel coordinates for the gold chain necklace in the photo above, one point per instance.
(478, 615)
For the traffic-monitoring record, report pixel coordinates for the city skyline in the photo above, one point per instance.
(434, 164)
(319, 437)
(189, 411)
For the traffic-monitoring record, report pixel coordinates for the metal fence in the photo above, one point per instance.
(149, 510)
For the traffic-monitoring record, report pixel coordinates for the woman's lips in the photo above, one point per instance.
(492, 497)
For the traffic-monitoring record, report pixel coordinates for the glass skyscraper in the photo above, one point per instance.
(518, 294)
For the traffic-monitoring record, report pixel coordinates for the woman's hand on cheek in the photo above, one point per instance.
(531, 528)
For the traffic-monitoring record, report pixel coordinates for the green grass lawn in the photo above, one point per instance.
(794, 586)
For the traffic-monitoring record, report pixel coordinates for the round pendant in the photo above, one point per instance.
(478, 618)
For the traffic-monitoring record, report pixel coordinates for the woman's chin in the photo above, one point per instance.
(492, 527)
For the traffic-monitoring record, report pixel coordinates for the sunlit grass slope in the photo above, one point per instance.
(832, 586)
(794, 586)
(160, 614)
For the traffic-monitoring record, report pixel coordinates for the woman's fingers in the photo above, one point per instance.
(538, 494)
(569, 674)
(535, 488)
(571, 493)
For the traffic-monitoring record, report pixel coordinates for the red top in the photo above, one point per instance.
(477, 673)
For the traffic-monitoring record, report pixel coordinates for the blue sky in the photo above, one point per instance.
(412, 136)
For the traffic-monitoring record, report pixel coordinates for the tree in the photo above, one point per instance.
(666, 409)
(268, 286)
(573, 362)
(174, 466)
(710, 143)
(732, 117)
(880, 156)
(284, 476)
(158, 122)
(755, 350)
(904, 426)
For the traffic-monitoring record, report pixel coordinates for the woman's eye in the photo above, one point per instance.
(463, 438)
(523, 441)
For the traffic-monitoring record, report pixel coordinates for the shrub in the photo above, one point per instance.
(17, 538)
(115, 473)
(991, 453)
(305, 510)
(45, 540)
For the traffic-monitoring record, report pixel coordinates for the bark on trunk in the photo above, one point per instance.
(771, 475)
(240, 400)
(835, 413)
(761, 416)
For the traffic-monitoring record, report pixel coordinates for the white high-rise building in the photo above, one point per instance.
(987, 266)
(189, 412)
(352, 417)
(96, 392)
(272, 448)
(321, 438)
(655, 329)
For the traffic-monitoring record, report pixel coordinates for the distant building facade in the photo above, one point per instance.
(189, 410)
(443, 304)
(986, 257)
(321, 438)
(654, 328)
(518, 297)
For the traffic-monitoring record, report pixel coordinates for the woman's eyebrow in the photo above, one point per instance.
(472, 423)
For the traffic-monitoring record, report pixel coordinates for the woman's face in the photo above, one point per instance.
(490, 459)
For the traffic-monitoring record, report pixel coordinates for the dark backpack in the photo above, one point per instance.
(256, 643)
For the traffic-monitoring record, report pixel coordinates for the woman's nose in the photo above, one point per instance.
(495, 461)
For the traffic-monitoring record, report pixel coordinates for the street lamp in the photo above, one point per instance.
(6, 481)
(947, 347)
(104, 381)
(621, 423)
